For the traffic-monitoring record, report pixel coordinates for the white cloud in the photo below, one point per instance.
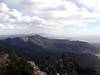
(3, 7)
(94, 4)
(55, 17)
(14, 19)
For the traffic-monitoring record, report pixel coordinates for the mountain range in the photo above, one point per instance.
(38, 48)
(38, 45)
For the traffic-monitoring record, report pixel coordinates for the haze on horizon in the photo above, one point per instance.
(68, 19)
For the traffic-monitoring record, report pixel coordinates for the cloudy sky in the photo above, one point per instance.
(70, 19)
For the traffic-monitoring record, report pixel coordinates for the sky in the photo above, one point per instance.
(68, 19)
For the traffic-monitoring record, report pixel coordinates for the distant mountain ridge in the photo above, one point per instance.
(61, 45)
(50, 45)
(97, 45)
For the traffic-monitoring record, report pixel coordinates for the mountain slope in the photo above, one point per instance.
(61, 45)
(97, 45)
(37, 43)
(38, 48)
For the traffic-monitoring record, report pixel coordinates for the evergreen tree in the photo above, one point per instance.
(19, 66)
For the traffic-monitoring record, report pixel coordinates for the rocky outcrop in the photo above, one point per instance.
(36, 70)
(3, 62)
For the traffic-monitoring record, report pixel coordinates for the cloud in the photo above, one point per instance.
(3, 7)
(59, 18)
(14, 19)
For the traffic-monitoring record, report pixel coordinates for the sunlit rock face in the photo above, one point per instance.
(36, 69)
(40, 73)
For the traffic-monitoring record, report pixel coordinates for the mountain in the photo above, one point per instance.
(42, 46)
(97, 45)
(62, 45)
(11, 64)
(37, 48)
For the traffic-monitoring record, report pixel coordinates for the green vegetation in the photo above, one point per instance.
(19, 66)
(66, 65)
(14, 65)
